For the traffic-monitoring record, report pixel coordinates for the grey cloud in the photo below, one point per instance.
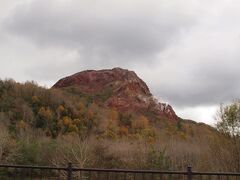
(123, 35)
(206, 76)
(210, 92)
(208, 88)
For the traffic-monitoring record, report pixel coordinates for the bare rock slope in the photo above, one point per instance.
(123, 90)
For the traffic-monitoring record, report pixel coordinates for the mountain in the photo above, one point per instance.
(108, 115)
(119, 89)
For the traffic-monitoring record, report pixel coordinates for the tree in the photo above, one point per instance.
(60, 111)
(45, 116)
(228, 119)
(141, 123)
(71, 148)
(4, 141)
(112, 119)
(46, 113)
(228, 123)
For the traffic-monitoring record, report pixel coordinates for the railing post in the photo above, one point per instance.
(69, 171)
(189, 173)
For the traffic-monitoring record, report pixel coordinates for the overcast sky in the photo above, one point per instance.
(187, 51)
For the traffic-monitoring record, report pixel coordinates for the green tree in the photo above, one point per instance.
(228, 119)
(228, 123)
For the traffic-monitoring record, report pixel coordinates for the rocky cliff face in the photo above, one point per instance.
(122, 89)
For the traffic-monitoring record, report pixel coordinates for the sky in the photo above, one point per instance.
(187, 51)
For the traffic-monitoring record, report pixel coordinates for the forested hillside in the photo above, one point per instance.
(54, 126)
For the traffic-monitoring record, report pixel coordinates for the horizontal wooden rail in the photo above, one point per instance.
(69, 171)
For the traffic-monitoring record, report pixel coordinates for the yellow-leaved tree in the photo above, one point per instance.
(140, 123)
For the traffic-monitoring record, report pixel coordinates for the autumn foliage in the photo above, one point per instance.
(53, 126)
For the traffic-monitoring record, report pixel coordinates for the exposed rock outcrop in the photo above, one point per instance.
(122, 89)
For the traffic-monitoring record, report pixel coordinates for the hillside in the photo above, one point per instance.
(124, 92)
(111, 113)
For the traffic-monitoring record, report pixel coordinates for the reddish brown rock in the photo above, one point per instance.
(123, 89)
